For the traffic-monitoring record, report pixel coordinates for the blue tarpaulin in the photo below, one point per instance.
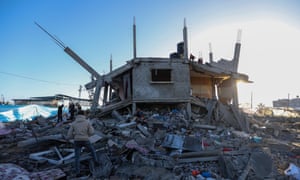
(28, 112)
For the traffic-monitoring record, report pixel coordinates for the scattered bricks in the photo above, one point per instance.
(143, 130)
(166, 145)
(133, 145)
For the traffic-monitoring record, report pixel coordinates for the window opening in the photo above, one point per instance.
(161, 75)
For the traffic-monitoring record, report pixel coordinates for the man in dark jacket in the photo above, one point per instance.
(80, 130)
(59, 113)
(71, 111)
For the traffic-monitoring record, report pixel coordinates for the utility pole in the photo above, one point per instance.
(80, 89)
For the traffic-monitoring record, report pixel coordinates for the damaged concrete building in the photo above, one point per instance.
(172, 80)
(207, 137)
(177, 79)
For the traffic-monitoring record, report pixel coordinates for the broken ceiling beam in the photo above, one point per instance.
(109, 108)
(91, 84)
(125, 125)
(198, 154)
(57, 160)
(31, 141)
(115, 114)
(204, 126)
(117, 72)
(198, 159)
(143, 130)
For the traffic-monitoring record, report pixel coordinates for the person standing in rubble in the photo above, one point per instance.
(72, 111)
(77, 107)
(59, 113)
(80, 130)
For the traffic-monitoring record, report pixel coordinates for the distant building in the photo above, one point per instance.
(287, 103)
(52, 100)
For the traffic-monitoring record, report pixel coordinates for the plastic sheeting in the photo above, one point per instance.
(293, 170)
(28, 112)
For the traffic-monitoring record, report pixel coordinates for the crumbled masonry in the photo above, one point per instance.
(220, 143)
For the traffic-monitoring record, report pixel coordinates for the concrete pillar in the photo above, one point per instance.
(235, 100)
(189, 110)
(185, 40)
(133, 108)
(134, 39)
(96, 95)
(214, 95)
(105, 93)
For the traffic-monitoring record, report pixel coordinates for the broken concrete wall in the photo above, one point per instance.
(121, 86)
(202, 87)
(225, 91)
(127, 85)
(160, 144)
(225, 64)
(172, 85)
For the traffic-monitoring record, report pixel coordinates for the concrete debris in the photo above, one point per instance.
(4, 131)
(10, 171)
(218, 142)
(35, 139)
(40, 156)
(132, 144)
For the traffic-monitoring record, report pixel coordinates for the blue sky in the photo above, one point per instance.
(31, 64)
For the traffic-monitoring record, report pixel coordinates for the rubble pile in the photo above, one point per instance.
(158, 142)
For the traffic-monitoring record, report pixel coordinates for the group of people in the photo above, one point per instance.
(73, 110)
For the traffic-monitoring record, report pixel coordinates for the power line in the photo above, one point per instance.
(40, 80)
